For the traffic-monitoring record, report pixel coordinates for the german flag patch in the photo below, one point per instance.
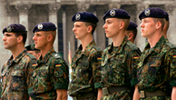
(58, 65)
(35, 64)
(136, 57)
(99, 58)
(174, 56)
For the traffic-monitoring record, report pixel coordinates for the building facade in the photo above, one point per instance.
(60, 12)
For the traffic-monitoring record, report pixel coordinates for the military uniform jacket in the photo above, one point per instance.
(50, 74)
(119, 68)
(85, 70)
(157, 67)
(16, 76)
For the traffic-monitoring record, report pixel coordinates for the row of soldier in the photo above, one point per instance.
(120, 72)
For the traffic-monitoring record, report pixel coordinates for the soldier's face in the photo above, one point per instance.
(111, 27)
(10, 40)
(40, 40)
(80, 30)
(148, 27)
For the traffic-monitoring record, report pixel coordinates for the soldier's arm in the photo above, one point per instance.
(60, 78)
(171, 61)
(136, 95)
(61, 94)
(100, 94)
(96, 66)
(132, 62)
(173, 95)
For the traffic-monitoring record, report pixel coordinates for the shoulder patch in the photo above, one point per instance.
(30, 55)
(132, 46)
(55, 55)
(170, 45)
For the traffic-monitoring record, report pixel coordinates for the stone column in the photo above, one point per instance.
(23, 16)
(82, 7)
(100, 34)
(140, 41)
(169, 8)
(53, 8)
(111, 6)
(68, 34)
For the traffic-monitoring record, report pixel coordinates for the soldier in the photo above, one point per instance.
(166, 26)
(131, 31)
(17, 71)
(86, 61)
(119, 60)
(156, 71)
(51, 78)
(32, 50)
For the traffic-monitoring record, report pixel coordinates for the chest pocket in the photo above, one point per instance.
(82, 71)
(17, 81)
(82, 68)
(154, 68)
(2, 80)
(42, 78)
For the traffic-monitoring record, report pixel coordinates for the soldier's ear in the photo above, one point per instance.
(19, 39)
(130, 36)
(121, 25)
(49, 37)
(89, 29)
(158, 24)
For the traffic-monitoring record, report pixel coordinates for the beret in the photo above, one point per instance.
(14, 28)
(152, 12)
(166, 16)
(132, 26)
(116, 13)
(44, 26)
(31, 47)
(85, 17)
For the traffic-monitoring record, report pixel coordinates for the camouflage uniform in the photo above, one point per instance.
(119, 68)
(50, 74)
(157, 69)
(85, 71)
(16, 76)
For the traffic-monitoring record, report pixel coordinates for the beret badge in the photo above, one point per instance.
(78, 17)
(147, 12)
(9, 29)
(112, 12)
(40, 26)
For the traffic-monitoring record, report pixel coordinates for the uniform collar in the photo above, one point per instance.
(158, 46)
(120, 48)
(47, 56)
(18, 58)
(87, 49)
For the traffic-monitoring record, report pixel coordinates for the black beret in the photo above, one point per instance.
(132, 26)
(14, 28)
(152, 12)
(116, 13)
(31, 47)
(44, 26)
(85, 17)
(166, 16)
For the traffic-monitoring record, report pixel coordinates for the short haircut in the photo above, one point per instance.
(93, 26)
(126, 21)
(23, 34)
(160, 20)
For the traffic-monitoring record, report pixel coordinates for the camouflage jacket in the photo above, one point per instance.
(85, 69)
(16, 76)
(156, 70)
(50, 74)
(119, 68)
